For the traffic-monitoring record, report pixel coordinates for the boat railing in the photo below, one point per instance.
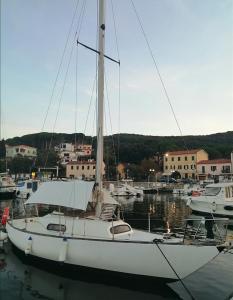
(205, 229)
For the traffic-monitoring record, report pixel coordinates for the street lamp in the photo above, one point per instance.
(150, 171)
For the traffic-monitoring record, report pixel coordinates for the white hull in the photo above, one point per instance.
(127, 256)
(210, 207)
(216, 200)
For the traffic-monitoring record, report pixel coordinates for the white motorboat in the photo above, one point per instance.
(25, 188)
(125, 190)
(217, 199)
(7, 187)
(85, 230)
(188, 189)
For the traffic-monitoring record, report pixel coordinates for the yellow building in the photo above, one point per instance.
(82, 169)
(184, 162)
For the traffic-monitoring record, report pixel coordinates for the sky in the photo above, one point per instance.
(191, 41)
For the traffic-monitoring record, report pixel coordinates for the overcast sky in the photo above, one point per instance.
(192, 42)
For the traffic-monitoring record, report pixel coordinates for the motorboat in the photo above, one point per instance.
(189, 189)
(125, 190)
(217, 199)
(82, 227)
(24, 188)
(7, 187)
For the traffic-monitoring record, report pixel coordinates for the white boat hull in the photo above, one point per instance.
(210, 207)
(130, 257)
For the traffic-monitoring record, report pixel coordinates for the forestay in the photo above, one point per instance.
(74, 194)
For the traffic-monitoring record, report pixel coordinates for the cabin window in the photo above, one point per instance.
(212, 191)
(120, 229)
(56, 227)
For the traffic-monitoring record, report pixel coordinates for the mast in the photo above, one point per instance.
(100, 106)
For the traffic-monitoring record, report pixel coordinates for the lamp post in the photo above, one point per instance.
(150, 171)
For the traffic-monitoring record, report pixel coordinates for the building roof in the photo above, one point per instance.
(20, 146)
(81, 162)
(181, 152)
(214, 161)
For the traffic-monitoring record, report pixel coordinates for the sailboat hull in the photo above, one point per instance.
(136, 258)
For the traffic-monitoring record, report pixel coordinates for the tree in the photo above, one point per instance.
(2, 149)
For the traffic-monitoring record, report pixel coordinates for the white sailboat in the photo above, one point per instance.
(87, 232)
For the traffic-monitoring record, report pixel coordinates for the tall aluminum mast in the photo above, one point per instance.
(100, 107)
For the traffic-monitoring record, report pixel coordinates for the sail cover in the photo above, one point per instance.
(74, 194)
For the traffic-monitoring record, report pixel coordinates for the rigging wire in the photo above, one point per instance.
(77, 32)
(158, 71)
(60, 65)
(119, 89)
(176, 120)
(110, 119)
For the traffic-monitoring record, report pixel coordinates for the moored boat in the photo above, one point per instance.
(217, 199)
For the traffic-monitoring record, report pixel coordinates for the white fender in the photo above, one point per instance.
(28, 249)
(63, 250)
(214, 206)
(3, 236)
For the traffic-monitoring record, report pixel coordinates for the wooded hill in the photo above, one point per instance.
(133, 148)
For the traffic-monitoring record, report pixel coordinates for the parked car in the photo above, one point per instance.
(167, 180)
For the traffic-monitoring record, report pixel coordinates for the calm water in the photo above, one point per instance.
(20, 280)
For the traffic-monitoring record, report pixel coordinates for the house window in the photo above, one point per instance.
(165, 158)
(93, 167)
(77, 167)
(178, 158)
(203, 169)
(82, 167)
(172, 158)
(88, 167)
(213, 168)
(193, 158)
(185, 158)
(166, 167)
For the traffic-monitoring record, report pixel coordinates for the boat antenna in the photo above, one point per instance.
(100, 103)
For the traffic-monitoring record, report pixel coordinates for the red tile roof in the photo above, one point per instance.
(214, 161)
(180, 152)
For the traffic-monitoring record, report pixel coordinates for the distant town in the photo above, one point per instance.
(78, 161)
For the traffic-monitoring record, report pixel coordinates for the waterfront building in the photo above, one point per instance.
(183, 162)
(82, 169)
(68, 152)
(20, 150)
(213, 168)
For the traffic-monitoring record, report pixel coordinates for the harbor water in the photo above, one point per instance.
(23, 279)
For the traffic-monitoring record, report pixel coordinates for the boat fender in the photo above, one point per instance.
(3, 236)
(63, 250)
(214, 206)
(189, 201)
(5, 215)
(28, 249)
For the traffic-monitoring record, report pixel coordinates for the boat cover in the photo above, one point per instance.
(74, 194)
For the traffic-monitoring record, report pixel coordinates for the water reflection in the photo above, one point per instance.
(20, 280)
